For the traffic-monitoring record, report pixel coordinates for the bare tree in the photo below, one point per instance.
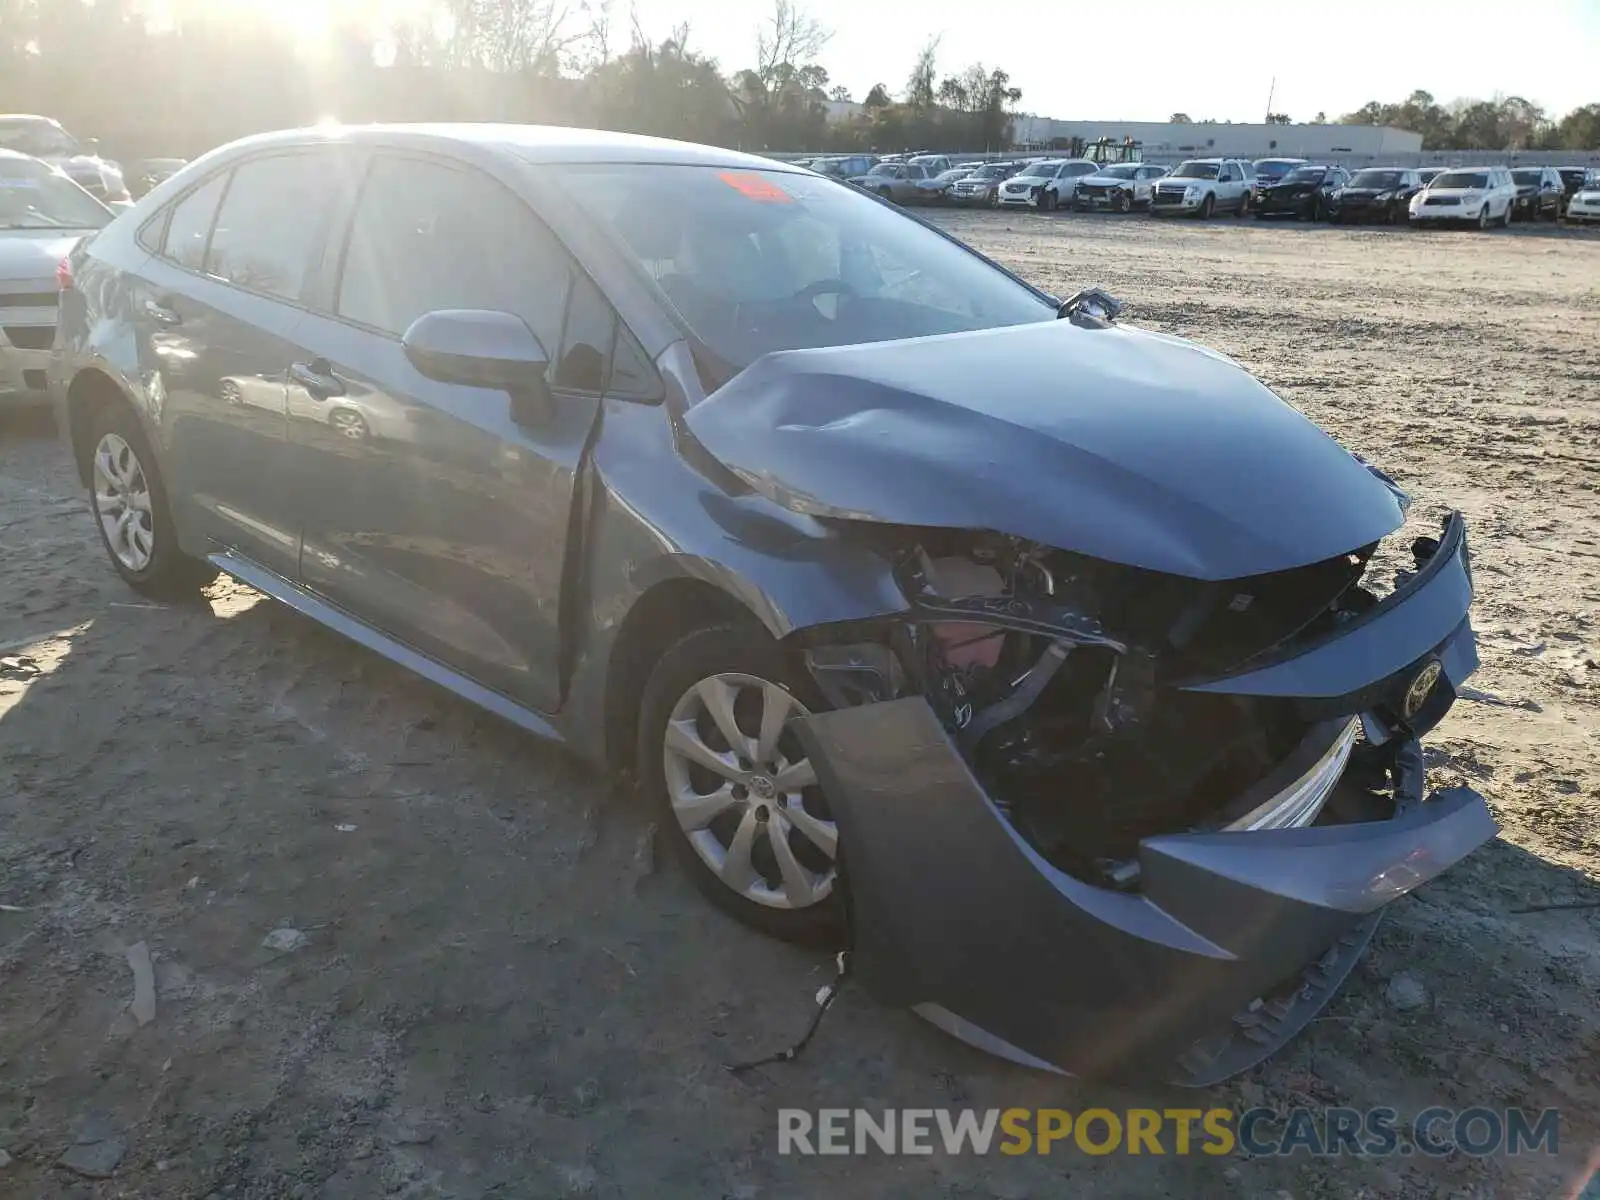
(920, 89)
(790, 39)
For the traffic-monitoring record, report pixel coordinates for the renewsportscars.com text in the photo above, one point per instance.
(1377, 1132)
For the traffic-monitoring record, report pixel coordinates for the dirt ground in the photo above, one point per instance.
(501, 994)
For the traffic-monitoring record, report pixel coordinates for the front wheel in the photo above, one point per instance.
(1483, 217)
(1047, 201)
(1124, 202)
(1208, 206)
(132, 513)
(720, 761)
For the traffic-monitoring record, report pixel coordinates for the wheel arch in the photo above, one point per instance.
(91, 392)
(669, 611)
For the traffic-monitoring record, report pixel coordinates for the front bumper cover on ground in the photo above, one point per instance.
(1234, 940)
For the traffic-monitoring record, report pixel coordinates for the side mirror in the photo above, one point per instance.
(482, 348)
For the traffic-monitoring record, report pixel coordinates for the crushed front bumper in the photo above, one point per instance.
(1234, 939)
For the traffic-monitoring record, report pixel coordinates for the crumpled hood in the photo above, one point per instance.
(31, 254)
(1118, 443)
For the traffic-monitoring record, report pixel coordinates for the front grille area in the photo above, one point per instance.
(1165, 197)
(30, 337)
(1438, 200)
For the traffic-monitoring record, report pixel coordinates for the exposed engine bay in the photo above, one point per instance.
(1058, 676)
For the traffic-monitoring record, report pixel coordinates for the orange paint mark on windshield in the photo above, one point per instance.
(755, 187)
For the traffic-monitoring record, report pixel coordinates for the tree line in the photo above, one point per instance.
(1505, 123)
(200, 74)
(182, 76)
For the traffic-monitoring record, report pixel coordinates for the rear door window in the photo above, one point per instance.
(271, 224)
(190, 224)
(431, 235)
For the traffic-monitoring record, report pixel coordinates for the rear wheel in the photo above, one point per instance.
(1244, 205)
(131, 511)
(720, 761)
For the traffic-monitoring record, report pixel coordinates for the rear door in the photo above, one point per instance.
(432, 511)
(219, 304)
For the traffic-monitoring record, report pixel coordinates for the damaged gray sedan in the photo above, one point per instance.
(1051, 664)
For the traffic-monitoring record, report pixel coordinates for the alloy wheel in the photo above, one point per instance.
(122, 503)
(745, 794)
(348, 424)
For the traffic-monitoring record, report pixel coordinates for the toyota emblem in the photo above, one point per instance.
(1421, 686)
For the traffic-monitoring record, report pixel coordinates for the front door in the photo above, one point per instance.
(437, 512)
(219, 305)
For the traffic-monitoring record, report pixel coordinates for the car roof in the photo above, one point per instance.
(10, 154)
(531, 143)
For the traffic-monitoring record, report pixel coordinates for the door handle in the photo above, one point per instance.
(160, 311)
(317, 378)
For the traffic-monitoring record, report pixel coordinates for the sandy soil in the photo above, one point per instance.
(502, 995)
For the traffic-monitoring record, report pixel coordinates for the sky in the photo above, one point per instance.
(1142, 60)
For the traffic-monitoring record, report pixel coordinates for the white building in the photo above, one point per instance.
(1162, 140)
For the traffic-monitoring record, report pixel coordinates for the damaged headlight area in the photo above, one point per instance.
(1061, 679)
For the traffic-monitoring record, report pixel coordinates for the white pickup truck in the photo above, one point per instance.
(1201, 186)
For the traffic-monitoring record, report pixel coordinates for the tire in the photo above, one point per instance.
(349, 424)
(1047, 201)
(131, 511)
(1124, 202)
(1505, 221)
(1207, 206)
(1244, 205)
(1483, 216)
(886, 194)
(751, 804)
(1317, 211)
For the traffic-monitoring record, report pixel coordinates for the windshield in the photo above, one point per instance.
(996, 171)
(32, 196)
(892, 170)
(1460, 179)
(1526, 176)
(1119, 172)
(1039, 170)
(1195, 170)
(1272, 168)
(1305, 175)
(758, 261)
(38, 138)
(1376, 179)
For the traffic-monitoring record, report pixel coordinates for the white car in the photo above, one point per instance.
(1047, 185)
(1585, 202)
(1120, 186)
(1481, 195)
(1202, 186)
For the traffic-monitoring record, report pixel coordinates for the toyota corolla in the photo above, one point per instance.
(1058, 667)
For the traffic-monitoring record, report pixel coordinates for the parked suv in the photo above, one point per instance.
(982, 186)
(1303, 193)
(1584, 203)
(895, 181)
(1201, 186)
(1540, 193)
(1375, 194)
(1479, 195)
(1049, 184)
(1121, 186)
